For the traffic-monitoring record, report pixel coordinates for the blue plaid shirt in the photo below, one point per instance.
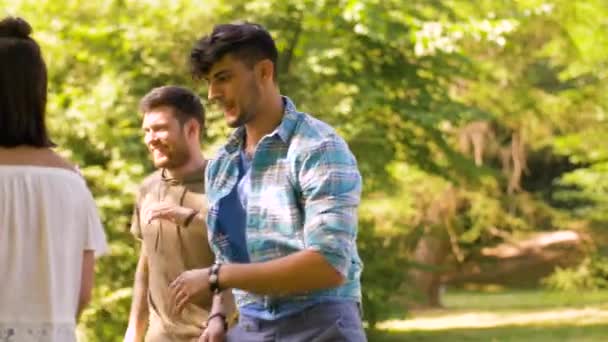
(304, 195)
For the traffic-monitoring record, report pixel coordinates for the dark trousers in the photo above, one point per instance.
(334, 321)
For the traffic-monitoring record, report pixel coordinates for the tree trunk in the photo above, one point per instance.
(431, 251)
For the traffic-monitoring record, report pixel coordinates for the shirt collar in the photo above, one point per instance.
(195, 176)
(284, 131)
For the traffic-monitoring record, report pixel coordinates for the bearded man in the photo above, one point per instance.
(169, 218)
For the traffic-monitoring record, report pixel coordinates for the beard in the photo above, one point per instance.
(175, 157)
(247, 111)
(244, 117)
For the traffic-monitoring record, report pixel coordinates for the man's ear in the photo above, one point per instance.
(192, 128)
(265, 70)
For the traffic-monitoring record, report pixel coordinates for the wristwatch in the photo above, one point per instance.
(214, 280)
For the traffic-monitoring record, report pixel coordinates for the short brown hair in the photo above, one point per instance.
(185, 103)
(23, 87)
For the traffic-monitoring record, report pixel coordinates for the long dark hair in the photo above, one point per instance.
(23, 87)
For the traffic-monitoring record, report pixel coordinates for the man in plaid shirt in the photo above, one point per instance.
(283, 195)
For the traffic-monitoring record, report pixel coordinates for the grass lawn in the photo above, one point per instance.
(532, 315)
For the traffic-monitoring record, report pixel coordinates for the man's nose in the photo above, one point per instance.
(213, 93)
(150, 137)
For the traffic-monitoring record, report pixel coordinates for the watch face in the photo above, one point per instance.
(213, 279)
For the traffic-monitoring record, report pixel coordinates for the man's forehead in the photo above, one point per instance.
(162, 113)
(227, 62)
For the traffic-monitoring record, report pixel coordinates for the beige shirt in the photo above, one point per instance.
(47, 219)
(172, 249)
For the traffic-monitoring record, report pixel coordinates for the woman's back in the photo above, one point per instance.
(47, 220)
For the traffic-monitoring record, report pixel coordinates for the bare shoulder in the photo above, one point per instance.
(55, 160)
(29, 156)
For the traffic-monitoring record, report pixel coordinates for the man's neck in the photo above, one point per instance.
(271, 117)
(195, 163)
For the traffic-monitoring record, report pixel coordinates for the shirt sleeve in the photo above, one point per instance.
(95, 237)
(135, 220)
(331, 189)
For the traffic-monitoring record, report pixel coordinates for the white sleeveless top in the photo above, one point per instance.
(47, 218)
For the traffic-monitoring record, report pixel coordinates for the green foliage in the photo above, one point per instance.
(382, 281)
(590, 274)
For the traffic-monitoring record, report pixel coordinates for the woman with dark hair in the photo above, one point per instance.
(50, 230)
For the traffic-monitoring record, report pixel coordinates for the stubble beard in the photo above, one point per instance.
(179, 156)
(247, 112)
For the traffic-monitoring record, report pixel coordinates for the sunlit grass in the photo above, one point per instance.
(522, 299)
(537, 316)
(486, 319)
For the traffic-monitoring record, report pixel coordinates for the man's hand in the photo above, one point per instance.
(214, 332)
(189, 284)
(163, 210)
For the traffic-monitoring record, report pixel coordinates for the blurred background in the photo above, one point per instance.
(480, 128)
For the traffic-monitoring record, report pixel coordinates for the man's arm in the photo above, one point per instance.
(138, 318)
(296, 273)
(174, 213)
(216, 330)
(330, 184)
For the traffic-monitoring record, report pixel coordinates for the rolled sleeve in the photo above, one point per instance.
(331, 188)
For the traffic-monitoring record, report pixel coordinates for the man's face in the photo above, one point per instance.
(233, 87)
(165, 138)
